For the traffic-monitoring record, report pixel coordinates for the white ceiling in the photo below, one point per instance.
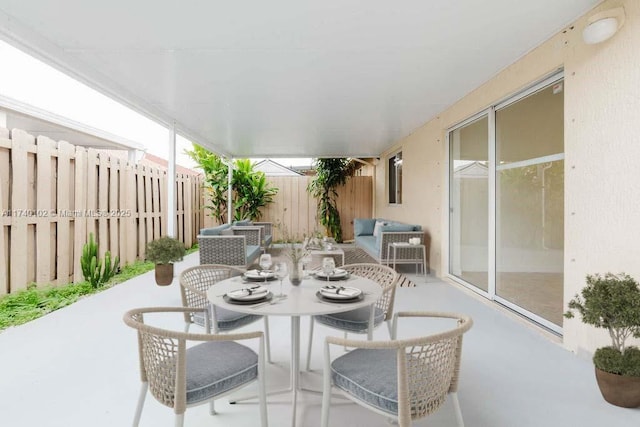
(286, 77)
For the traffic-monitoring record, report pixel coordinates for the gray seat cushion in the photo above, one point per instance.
(268, 239)
(228, 320)
(214, 231)
(352, 321)
(369, 375)
(217, 367)
(253, 252)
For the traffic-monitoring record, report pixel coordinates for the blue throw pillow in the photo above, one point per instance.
(363, 226)
(397, 227)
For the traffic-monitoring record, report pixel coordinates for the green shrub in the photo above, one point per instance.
(610, 360)
(94, 270)
(165, 250)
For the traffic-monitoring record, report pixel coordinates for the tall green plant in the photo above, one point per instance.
(251, 191)
(94, 270)
(216, 174)
(330, 174)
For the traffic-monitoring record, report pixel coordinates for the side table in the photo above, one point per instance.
(409, 254)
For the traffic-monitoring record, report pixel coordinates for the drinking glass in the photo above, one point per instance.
(328, 265)
(305, 265)
(281, 272)
(265, 263)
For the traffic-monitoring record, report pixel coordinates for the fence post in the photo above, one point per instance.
(64, 241)
(128, 232)
(19, 200)
(4, 217)
(80, 209)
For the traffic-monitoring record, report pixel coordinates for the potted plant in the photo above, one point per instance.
(613, 302)
(164, 252)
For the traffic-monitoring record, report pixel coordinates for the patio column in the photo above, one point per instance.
(171, 183)
(229, 191)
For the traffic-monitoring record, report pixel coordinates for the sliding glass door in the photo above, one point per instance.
(469, 201)
(530, 203)
(506, 203)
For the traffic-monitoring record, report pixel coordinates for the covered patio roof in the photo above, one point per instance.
(285, 78)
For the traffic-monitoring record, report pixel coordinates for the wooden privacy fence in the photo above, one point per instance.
(300, 216)
(53, 194)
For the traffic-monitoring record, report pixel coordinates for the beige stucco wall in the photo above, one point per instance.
(602, 149)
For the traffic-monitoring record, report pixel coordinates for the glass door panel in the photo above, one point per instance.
(530, 203)
(468, 202)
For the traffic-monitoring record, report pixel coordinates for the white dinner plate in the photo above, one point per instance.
(338, 273)
(248, 294)
(340, 292)
(259, 275)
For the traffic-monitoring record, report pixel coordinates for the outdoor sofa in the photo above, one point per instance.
(375, 239)
(239, 243)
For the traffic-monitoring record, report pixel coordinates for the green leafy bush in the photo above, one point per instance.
(610, 360)
(94, 270)
(165, 250)
(612, 302)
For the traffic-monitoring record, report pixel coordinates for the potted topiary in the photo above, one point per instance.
(164, 252)
(613, 302)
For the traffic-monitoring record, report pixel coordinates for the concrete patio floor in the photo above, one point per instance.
(78, 367)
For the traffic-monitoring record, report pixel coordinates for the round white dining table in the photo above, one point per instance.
(300, 301)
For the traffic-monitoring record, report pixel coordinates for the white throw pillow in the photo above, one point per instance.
(376, 229)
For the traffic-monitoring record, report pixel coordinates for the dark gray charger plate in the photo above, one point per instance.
(230, 300)
(339, 301)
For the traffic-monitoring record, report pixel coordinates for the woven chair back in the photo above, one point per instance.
(432, 366)
(196, 281)
(385, 276)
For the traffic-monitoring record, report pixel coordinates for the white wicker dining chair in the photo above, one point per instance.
(194, 284)
(180, 374)
(405, 379)
(361, 321)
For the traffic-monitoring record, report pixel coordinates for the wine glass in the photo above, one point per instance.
(328, 265)
(306, 260)
(265, 263)
(281, 272)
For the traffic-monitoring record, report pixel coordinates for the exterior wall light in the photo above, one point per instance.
(603, 25)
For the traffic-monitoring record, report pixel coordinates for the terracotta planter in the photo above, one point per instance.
(164, 274)
(619, 390)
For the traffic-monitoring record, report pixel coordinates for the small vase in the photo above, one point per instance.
(296, 273)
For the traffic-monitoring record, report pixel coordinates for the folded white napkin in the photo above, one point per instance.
(333, 291)
(250, 291)
(259, 273)
(338, 272)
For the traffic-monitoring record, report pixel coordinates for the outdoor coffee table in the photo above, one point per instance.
(336, 253)
(301, 301)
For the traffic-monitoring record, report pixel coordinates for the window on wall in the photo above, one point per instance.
(395, 178)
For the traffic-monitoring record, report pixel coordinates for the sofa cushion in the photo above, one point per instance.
(243, 222)
(268, 239)
(368, 243)
(397, 226)
(214, 231)
(377, 227)
(363, 226)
